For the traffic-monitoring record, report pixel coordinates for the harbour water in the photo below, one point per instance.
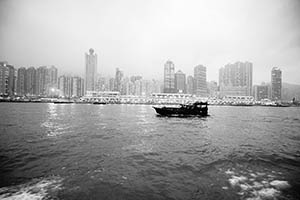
(73, 151)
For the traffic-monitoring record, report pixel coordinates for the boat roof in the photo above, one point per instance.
(200, 103)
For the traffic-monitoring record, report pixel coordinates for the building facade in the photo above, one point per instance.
(261, 92)
(190, 85)
(118, 80)
(31, 86)
(77, 86)
(51, 80)
(236, 79)
(276, 84)
(7, 79)
(200, 80)
(180, 82)
(41, 74)
(169, 77)
(21, 81)
(90, 71)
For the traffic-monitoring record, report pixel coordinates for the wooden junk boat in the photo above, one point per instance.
(195, 109)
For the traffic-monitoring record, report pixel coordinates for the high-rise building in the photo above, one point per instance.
(30, 81)
(21, 81)
(276, 84)
(7, 79)
(51, 80)
(190, 85)
(212, 88)
(90, 71)
(41, 74)
(118, 80)
(200, 80)
(124, 86)
(111, 84)
(261, 92)
(169, 77)
(3, 79)
(77, 86)
(65, 84)
(236, 79)
(180, 82)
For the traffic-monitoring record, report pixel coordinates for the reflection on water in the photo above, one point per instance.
(128, 152)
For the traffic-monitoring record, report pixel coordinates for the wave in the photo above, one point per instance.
(34, 190)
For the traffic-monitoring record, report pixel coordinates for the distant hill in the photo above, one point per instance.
(289, 91)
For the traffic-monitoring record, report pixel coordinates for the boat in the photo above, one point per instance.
(63, 102)
(195, 109)
(99, 103)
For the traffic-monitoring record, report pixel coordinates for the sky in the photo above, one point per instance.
(139, 36)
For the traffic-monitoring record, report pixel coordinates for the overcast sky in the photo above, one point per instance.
(139, 36)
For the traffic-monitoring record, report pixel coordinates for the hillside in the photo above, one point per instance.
(289, 91)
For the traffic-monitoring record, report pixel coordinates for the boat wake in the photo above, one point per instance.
(37, 189)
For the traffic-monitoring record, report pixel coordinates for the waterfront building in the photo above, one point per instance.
(111, 84)
(156, 86)
(236, 79)
(169, 77)
(124, 85)
(40, 78)
(261, 92)
(65, 86)
(7, 79)
(30, 81)
(276, 84)
(90, 71)
(138, 87)
(190, 85)
(118, 80)
(3, 78)
(77, 86)
(212, 88)
(51, 80)
(180, 82)
(146, 88)
(102, 96)
(200, 80)
(135, 78)
(21, 81)
(102, 84)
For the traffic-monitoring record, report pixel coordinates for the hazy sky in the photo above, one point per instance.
(139, 36)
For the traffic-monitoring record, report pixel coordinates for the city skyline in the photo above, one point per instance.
(143, 36)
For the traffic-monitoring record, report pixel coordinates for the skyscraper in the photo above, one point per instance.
(30, 81)
(212, 88)
(77, 86)
(276, 84)
(90, 71)
(169, 77)
(190, 85)
(180, 82)
(236, 79)
(118, 80)
(3, 79)
(7, 79)
(40, 79)
(51, 80)
(21, 81)
(65, 84)
(200, 80)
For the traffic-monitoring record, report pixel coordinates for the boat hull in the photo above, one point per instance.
(165, 111)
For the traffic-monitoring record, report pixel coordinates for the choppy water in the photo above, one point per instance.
(52, 151)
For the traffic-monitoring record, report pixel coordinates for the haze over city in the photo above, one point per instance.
(140, 36)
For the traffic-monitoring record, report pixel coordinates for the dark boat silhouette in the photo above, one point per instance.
(195, 109)
(99, 103)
